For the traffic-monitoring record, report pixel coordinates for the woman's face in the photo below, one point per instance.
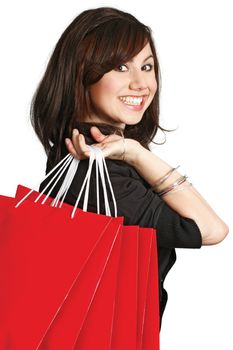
(122, 95)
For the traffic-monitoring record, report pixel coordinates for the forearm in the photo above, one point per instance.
(188, 202)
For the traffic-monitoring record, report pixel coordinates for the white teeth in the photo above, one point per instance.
(131, 100)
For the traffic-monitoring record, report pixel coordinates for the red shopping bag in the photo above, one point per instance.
(136, 314)
(88, 283)
(42, 254)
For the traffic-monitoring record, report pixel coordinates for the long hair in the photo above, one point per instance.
(95, 42)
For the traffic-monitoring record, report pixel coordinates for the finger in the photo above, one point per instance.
(79, 144)
(78, 141)
(75, 134)
(97, 134)
(83, 145)
(70, 148)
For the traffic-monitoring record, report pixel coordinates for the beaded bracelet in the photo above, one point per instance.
(178, 182)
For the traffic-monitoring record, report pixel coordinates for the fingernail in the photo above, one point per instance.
(75, 132)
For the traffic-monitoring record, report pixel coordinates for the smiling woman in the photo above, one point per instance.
(104, 72)
(124, 94)
(88, 59)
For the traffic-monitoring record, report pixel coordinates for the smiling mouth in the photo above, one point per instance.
(133, 100)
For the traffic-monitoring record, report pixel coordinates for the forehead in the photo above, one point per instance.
(144, 54)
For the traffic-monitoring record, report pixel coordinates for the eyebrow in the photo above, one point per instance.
(148, 58)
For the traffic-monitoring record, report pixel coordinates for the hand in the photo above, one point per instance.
(112, 145)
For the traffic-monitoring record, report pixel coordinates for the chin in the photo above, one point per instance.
(133, 121)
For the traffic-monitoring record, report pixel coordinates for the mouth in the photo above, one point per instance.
(134, 102)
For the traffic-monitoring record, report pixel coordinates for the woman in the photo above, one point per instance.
(104, 72)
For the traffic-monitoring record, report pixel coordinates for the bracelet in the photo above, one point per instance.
(123, 154)
(178, 188)
(178, 182)
(164, 178)
(124, 144)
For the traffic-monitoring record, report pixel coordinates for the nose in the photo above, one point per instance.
(137, 80)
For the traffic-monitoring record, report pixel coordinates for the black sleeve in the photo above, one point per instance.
(176, 231)
(140, 205)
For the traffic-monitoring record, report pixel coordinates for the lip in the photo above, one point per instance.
(135, 107)
(134, 96)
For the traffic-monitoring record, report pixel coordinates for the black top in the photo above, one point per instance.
(139, 205)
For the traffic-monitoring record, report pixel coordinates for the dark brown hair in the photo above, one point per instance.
(96, 41)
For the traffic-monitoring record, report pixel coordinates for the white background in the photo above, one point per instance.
(194, 44)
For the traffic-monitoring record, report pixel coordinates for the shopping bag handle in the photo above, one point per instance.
(95, 154)
(72, 164)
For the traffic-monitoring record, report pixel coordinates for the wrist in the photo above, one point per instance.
(132, 151)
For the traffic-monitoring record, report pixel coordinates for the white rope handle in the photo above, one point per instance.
(99, 166)
(72, 164)
(66, 183)
(103, 162)
(66, 161)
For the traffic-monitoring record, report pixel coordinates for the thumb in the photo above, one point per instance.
(97, 134)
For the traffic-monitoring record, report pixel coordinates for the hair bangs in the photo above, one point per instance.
(111, 44)
(128, 40)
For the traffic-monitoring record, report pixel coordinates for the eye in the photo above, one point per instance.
(122, 68)
(147, 67)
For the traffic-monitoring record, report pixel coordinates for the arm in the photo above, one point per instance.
(188, 202)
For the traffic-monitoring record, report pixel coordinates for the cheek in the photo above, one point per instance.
(110, 87)
(103, 89)
(102, 92)
(153, 85)
(153, 89)
(96, 93)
